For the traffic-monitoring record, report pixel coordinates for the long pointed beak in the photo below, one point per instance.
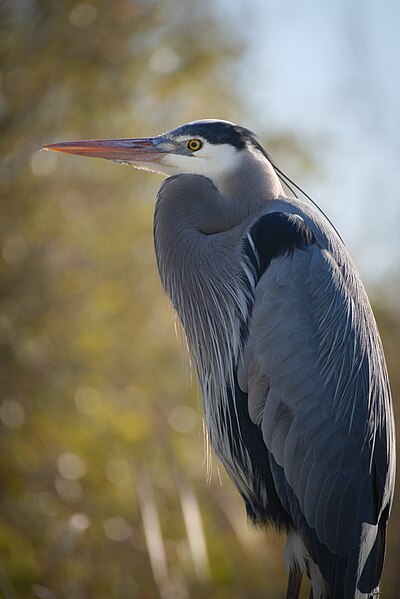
(125, 150)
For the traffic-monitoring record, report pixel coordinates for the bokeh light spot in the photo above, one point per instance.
(71, 466)
(41, 502)
(83, 15)
(43, 163)
(164, 60)
(12, 413)
(14, 249)
(182, 419)
(118, 472)
(79, 522)
(117, 529)
(69, 491)
(88, 400)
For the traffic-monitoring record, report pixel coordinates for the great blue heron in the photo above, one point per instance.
(285, 346)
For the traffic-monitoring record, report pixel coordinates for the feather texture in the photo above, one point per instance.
(327, 419)
(286, 350)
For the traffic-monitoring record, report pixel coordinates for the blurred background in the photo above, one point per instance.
(103, 483)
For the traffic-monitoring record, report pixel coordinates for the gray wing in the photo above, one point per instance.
(317, 387)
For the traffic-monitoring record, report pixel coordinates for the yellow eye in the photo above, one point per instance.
(194, 145)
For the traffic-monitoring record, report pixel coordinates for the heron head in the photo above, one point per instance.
(225, 153)
(207, 147)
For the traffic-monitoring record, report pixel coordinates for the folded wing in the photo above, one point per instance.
(317, 387)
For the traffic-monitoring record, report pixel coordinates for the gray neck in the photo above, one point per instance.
(198, 247)
(223, 202)
(252, 181)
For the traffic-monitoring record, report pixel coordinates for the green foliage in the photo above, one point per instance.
(100, 436)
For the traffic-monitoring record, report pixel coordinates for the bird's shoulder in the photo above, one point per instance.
(292, 222)
(277, 233)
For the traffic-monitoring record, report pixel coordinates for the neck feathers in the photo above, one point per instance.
(252, 181)
(212, 295)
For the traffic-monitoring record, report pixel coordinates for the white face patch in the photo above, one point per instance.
(223, 163)
(212, 161)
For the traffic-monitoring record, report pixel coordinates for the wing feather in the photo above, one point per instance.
(317, 387)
